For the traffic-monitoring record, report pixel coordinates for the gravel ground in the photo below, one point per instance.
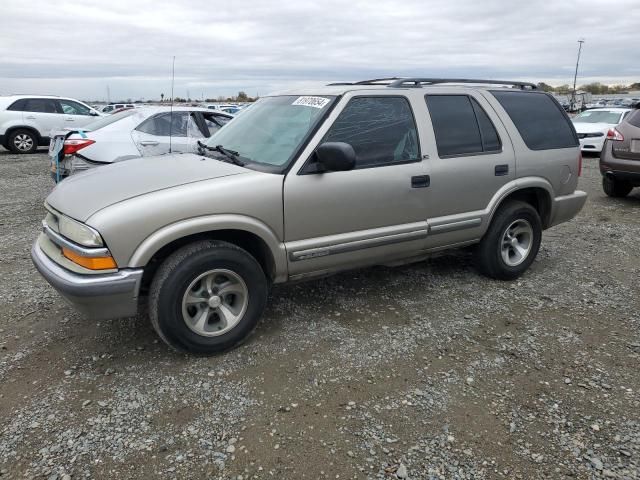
(427, 371)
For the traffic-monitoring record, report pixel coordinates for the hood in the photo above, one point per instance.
(583, 127)
(82, 195)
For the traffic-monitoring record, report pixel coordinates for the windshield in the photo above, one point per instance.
(273, 128)
(104, 121)
(598, 116)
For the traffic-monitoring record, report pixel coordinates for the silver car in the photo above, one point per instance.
(310, 183)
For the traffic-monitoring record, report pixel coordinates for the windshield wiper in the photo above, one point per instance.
(232, 155)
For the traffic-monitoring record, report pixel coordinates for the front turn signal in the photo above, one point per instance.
(92, 263)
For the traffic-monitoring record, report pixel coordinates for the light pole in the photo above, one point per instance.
(575, 76)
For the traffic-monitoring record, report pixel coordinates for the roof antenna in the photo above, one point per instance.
(173, 75)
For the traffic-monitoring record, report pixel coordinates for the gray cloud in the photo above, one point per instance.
(78, 49)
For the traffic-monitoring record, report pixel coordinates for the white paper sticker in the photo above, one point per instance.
(315, 102)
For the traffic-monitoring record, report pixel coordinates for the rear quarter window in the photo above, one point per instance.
(634, 118)
(541, 122)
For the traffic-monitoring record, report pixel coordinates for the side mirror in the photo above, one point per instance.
(336, 157)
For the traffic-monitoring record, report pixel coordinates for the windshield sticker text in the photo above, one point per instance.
(315, 102)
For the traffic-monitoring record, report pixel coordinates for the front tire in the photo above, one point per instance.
(22, 141)
(512, 242)
(615, 188)
(207, 297)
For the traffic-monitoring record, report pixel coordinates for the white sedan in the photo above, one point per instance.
(139, 132)
(593, 125)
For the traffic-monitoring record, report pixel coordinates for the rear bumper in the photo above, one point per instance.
(99, 296)
(620, 168)
(567, 206)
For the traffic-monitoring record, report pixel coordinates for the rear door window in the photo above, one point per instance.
(176, 124)
(381, 130)
(40, 105)
(461, 126)
(540, 120)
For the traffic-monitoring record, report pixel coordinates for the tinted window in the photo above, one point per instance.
(454, 124)
(381, 130)
(18, 105)
(540, 120)
(40, 105)
(490, 139)
(461, 126)
(73, 108)
(634, 118)
(162, 125)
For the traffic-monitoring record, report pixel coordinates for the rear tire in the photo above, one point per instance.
(207, 297)
(615, 188)
(511, 243)
(22, 141)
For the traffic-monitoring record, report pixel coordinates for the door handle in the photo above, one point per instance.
(501, 170)
(30, 117)
(420, 181)
(69, 120)
(148, 143)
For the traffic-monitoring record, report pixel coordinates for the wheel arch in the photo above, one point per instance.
(9, 131)
(537, 192)
(248, 234)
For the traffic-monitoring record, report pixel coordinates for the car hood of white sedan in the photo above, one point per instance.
(584, 127)
(82, 195)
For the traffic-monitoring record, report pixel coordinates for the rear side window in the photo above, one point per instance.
(461, 126)
(542, 123)
(381, 130)
(634, 118)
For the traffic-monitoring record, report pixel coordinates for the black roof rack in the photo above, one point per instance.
(418, 82)
(373, 81)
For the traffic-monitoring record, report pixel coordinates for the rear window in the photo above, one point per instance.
(634, 118)
(542, 123)
(104, 121)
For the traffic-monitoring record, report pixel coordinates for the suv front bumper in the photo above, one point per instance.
(99, 296)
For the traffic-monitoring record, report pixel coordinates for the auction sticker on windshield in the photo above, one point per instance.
(315, 102)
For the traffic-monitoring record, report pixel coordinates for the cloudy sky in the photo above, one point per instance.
(81, 48)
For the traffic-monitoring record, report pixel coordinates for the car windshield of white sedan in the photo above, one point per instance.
(601, 116)
(273, 128)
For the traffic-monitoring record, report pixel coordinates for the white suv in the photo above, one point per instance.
(26, 121)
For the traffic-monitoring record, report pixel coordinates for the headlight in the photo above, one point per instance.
(79, 232)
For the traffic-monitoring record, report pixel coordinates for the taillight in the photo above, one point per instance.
(580, 164)
(71, 146)
(614, 134)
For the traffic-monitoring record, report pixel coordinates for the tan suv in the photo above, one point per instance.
(306, 184)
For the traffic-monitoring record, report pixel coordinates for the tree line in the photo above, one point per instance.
(595, 88)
